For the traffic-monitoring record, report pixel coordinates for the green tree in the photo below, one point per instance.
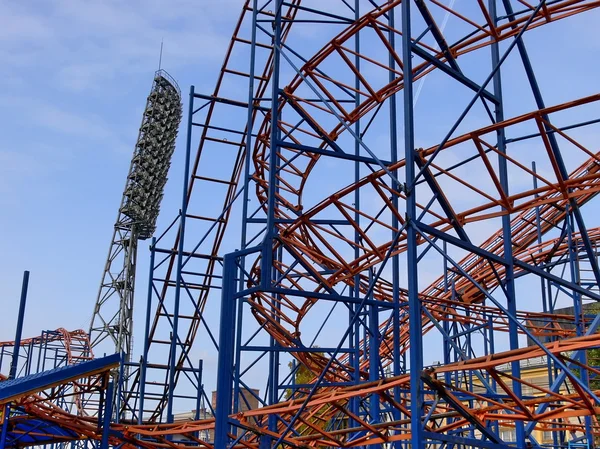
(593, 360)
(303, 375)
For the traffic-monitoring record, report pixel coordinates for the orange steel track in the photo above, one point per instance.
(300, 236)
(326, 404)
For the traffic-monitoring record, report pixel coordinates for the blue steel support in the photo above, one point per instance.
(246, 199)
(107, 413)
(578, 313)
(245, 219)
(225, 366)
(119, 387)
(3, 434)
(144, 359)
(180, 253)
(268, 272)
(273, 381)
(509, 286)
(564, 174)
(354, 335)
(267, 253)
(199, 395)
(397, 364)
(373, 340)
(19, 331)
(15, 356)
(414, 306)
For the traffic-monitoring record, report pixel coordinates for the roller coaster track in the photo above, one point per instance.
(214, 236)
(321, 256)
(61, 347)
(329, 403)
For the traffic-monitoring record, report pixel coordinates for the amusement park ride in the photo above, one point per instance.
(410, 259)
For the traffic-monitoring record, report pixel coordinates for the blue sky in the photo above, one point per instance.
(75, 80)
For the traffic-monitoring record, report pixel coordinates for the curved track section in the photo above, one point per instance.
(311, 259)
(320, 246)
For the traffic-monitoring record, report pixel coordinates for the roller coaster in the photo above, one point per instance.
(418, 210)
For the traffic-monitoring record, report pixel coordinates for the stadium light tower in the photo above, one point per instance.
(113, 312)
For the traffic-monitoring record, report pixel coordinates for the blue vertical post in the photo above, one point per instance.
(184, 201)
(245, 195)
(578, 312)
(267, 253)
(199, 394)
(15, 356)
(120, 380)
(274, 356)
(539, 100)
(144, 359)
(106, 416)
(397, 364)
(414, 307)
(546, 294)
(513, 330)
(225, 360)
(267, 271)
(354, 335)
(3, 435)
(373, 339)
(19, 332)
(200, 390)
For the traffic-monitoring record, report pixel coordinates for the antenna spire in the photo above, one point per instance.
(160, 56)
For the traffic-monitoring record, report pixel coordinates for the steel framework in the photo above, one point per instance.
(112, 318)
(402, 255)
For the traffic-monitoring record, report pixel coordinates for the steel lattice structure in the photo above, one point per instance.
(401, 255)
(113, 313)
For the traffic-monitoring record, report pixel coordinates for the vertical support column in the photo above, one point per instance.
(397, 364)
(246, 199)
(4, 431)
(354, 334)
(578, 313)
(199, 393)
(513, 330)
(414, 307)
(15, 356)
(144, 359)
(267, 253)
(267, 272)
(184, 201)
(539, 100)
(225, 374)
(106, 416)
(19, 332)
(373, 339)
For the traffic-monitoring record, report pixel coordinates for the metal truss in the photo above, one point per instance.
(404, 255)
(53, 349)
(317, 248)
(112, 319)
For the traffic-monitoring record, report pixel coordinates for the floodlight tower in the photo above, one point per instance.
(113, 312)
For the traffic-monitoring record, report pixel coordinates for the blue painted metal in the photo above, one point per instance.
(13, 389)
(144, 359)
(19, 330)
(107, 414)
(15, 359)
(363, 308)
(537, 94)
(180, 255)
(225, 375)
(509, 284)
(414, 304)
(35, 432)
